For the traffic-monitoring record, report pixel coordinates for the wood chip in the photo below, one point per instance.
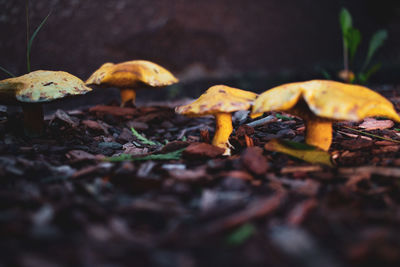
(254, 161)
(202, 151)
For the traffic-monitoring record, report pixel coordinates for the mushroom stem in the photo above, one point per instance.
(33, 119)
(319, 133)
(223, 130)
(127, 95)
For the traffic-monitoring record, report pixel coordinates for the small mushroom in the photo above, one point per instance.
(128, 76)
(220, 101)
(321, 102)
(35, 88)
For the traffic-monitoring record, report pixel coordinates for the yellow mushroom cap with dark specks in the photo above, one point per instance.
(41, 86)
(217, 99)
(327, 99)
(128, 74)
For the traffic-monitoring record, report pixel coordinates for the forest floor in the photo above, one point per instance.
(176, 201)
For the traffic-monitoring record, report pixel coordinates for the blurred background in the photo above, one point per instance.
(248, 44)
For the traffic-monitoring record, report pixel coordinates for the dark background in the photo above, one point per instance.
(249, 44)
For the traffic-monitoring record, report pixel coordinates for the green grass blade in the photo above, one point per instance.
(6, 71)
(29, 46)
(326, 74)
(175, 155)
(241, 234)
(364, 77)
(142, 139)
(282, 117)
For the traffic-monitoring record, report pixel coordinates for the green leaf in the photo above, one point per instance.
(282, 117)
(353, 37)
(29, 46)
(241, 234)
(326, 75)
(364, 77)
(175, 155)
(297, 145)
(375, 43)
(6, 71)
(345, 20)
(142, 139)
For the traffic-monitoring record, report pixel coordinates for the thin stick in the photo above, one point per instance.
(184, 131)
(261, 121)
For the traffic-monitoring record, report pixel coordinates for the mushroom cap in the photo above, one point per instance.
(327, 99)
(217, 99)
(129, 74)
(41, 86)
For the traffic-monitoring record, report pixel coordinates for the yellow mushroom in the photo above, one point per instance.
(128, 76)
(321, 102)
(220, 101)
(35, 88)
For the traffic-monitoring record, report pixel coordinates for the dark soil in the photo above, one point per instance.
(62, 203)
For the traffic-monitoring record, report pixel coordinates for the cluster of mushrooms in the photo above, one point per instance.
(318, 102)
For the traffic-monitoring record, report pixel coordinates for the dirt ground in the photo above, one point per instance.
(65, 202)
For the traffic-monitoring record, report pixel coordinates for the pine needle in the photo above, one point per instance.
(372, 135)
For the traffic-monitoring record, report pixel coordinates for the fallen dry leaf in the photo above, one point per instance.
(374, 124)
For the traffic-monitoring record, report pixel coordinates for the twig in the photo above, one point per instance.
(261, 121)
(183, 132)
